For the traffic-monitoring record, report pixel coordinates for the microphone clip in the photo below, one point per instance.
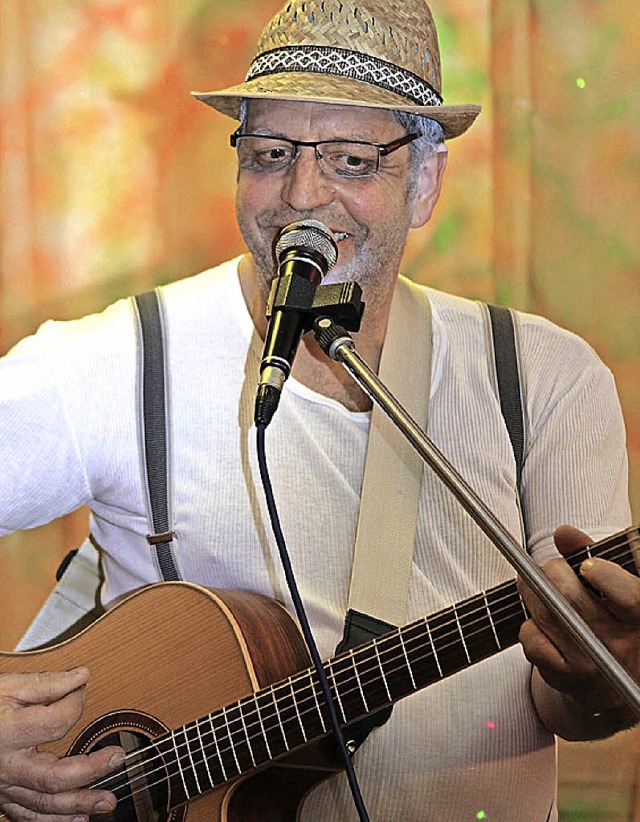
(340, 301)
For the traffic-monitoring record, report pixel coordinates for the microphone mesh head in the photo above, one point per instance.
(311, 235)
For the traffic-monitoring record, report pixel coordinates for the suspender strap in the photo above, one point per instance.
(153, 426)
(504, 342)
(508, 379)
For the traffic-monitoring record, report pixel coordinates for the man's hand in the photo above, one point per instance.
(35, 785)
(571, 695)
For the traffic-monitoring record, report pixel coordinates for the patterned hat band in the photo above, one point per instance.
(345, 63)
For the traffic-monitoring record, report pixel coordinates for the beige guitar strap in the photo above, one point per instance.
(393, 471)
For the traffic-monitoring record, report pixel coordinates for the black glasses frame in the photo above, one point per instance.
(384, 149)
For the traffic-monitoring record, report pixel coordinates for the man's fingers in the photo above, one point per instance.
(538, 648)
(71, 803)
(57, 788)
(620, 588)
(568, 539)
(35, 724)
(34, 688)
(16, 813)
(44, 772)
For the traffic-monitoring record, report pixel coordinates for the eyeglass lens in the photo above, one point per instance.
(339, 159)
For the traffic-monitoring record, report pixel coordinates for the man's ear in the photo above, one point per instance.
(429, 184)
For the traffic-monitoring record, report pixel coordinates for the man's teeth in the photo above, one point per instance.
(340, 235)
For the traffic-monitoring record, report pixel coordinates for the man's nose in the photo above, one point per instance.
(306, 187)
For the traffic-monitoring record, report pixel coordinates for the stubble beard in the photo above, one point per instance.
(374, 265)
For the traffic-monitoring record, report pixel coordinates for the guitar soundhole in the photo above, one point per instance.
(142, 784)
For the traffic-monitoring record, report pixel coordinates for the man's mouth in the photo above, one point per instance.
(339, 236)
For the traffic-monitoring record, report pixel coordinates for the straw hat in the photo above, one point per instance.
(373, 53)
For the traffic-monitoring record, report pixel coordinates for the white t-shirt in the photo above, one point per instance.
(470, 743)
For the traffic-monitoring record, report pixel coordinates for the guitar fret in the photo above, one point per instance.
(179, 764)
(230, 735)
(489, 614)
(351, 700)
(225, 745)
(505, 606)
(295, 704)
(240, 739)
(218, 753)
(433, 649)
(478, 629)
(384, 678)
(336, 692)
(406, 658)
(460, 631)
(315, 697)
(198, 726)
(246, 734)
(359, 681)
(262, 728)
(275, 705)
(276, 743)
(164, 747)
(525, 612)
(193, 767)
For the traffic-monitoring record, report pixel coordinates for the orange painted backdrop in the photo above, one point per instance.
(113, 179)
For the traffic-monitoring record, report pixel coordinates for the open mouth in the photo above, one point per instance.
(339, 236)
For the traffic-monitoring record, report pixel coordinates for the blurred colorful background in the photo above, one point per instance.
(113, 179)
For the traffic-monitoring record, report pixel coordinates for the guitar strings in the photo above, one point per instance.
(288, 689)
(288, 686)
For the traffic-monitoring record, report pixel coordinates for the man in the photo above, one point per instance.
(481, 740)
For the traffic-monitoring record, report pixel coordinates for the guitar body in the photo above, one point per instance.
(173, 652)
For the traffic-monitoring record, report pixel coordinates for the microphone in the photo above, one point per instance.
(305, 252)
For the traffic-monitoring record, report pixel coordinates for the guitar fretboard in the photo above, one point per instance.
(269, 724)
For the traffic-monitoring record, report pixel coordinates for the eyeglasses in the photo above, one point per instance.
(337, 158)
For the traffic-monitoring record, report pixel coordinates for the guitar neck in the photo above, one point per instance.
(270, 723)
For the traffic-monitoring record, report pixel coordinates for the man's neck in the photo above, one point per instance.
(312, 367)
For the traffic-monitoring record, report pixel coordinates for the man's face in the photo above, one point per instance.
(375, 213)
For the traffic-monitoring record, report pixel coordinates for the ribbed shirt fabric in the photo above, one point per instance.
(469, 744)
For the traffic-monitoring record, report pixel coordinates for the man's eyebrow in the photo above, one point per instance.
(358, 137)
(267, 133)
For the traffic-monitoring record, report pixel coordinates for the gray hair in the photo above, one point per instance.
(432, 136)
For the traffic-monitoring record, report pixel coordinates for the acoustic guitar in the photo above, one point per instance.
(212, 694)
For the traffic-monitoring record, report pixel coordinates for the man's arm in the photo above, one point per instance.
(35, 785)
(572, 697)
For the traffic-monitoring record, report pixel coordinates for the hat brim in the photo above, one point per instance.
(334, 90)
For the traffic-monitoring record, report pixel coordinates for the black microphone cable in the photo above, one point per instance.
(304, 624)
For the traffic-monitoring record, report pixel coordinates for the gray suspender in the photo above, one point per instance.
(73, 602)
(508, 378)
(504, 345)
(153, 419)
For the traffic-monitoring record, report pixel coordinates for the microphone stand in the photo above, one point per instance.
(339, 346)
